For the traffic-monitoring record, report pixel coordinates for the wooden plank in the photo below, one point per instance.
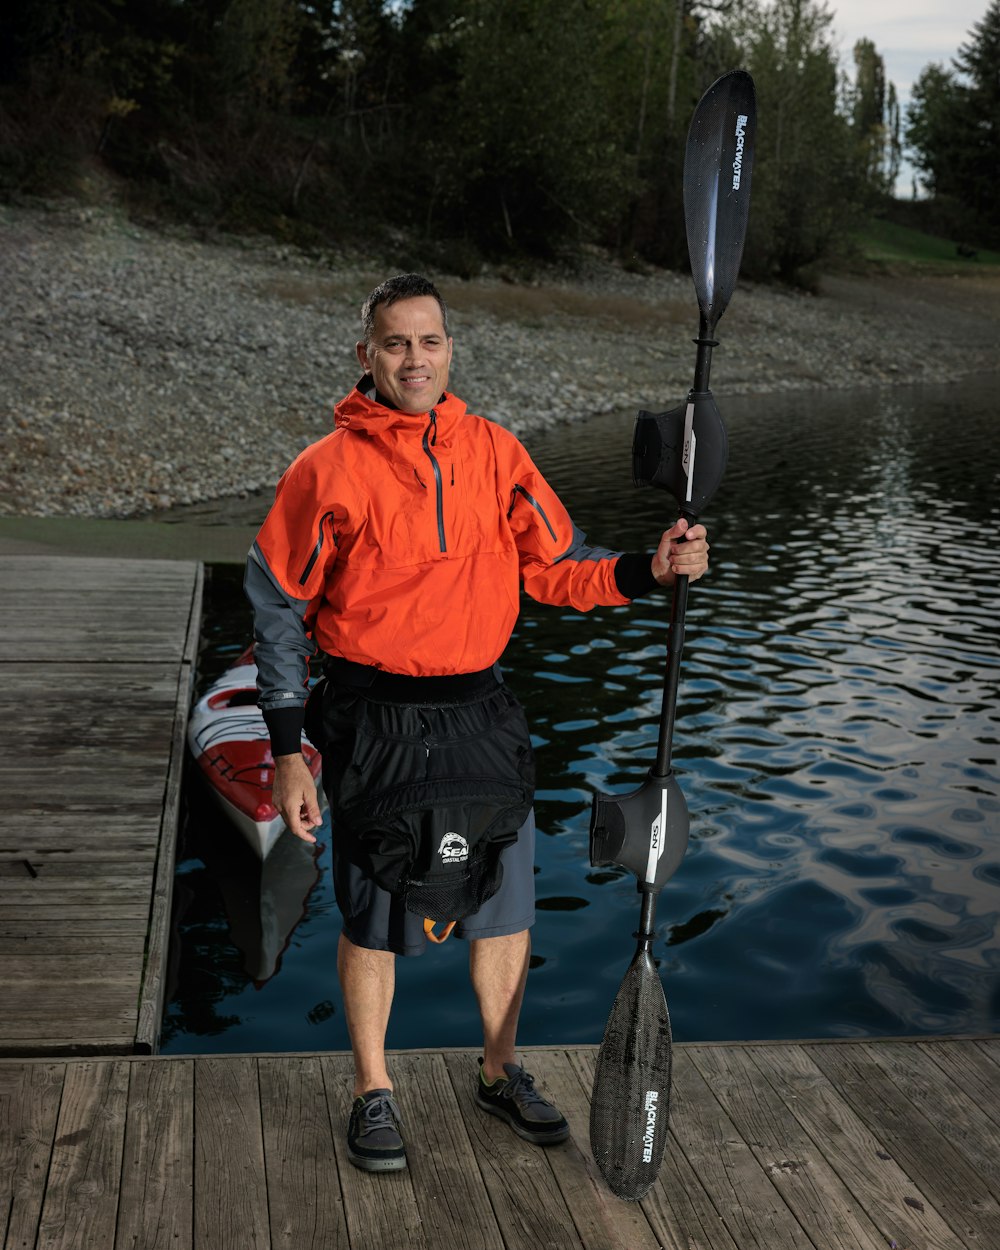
(441, 1159)
(89, 835)
(49, 922)
(381, 1210)
(35, 969)
(304, 1200)
(44, 890)
(113, 1029)
(678, 1208)
(518, 1176)
(123, 945)
(151, 997)
(43, 1045)
(65, 834)
(149, 682)
(23, 1000)
(192, 641)
(230, 1186)
(812, 1190)
(976, 1066)
(36, 571)
(155, 1209)
(42, 853)
(956, 1115)
(81, 1198)
(56, 873)
(139, 643)
(896, 1206)
(29, 1109)
(96, 912)
(750, 1206)
(941, 1171)
(116, 824)
(991, 1049)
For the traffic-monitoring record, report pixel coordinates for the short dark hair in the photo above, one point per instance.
(402, 286)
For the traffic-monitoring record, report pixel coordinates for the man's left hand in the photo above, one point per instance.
(682, 550)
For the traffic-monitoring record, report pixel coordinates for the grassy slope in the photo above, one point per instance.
(884, 242)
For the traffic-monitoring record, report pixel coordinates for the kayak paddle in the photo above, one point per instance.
(684, 452)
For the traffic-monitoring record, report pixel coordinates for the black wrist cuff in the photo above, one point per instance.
(284, 724)
(634, 574)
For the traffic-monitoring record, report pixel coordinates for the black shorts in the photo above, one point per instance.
(388, 735)
(377, 921)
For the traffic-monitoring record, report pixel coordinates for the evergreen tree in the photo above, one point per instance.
(807, 190)
(869, 116)
(953, 129)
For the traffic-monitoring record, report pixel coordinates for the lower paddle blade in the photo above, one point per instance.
(630, 1104)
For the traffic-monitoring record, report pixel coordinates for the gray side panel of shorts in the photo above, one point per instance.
(373, 919)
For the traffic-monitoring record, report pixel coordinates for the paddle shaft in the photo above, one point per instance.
(678, 606)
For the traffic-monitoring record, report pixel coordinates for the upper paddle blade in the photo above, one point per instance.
(717, 164)
(630, 1104)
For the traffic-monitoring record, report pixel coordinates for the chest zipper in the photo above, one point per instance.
(430, 440)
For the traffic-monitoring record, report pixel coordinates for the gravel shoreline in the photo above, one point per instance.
(142, 370)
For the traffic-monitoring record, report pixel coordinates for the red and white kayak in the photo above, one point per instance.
(229, 740)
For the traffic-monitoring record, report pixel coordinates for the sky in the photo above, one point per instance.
(908, 34)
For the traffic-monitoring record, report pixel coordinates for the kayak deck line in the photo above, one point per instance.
(96, 670)
(867, 1144)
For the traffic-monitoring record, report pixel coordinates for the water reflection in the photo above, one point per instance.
(836, 738)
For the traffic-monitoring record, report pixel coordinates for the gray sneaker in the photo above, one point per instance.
(518, 1102)
(374, 1142)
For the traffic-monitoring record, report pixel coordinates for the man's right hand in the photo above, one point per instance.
(294, 795)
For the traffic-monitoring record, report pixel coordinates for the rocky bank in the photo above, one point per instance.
(144, 369)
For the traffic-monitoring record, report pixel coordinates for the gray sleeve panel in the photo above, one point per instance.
(580, 550)
(282, 648)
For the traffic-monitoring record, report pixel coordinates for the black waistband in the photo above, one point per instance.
(375, 683)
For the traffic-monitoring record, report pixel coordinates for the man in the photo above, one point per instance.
(397, 545)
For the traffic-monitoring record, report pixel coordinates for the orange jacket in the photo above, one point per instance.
(403, 539)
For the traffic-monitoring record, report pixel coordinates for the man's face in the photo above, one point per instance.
(410, 354)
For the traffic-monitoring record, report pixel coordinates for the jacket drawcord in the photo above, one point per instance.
(429, 441)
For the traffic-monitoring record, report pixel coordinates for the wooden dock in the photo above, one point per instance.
(779, 1146)
(95, 676)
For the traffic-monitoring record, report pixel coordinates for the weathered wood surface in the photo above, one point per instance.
(95, 678)
(867, 1145)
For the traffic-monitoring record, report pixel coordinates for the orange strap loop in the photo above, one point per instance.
(437, 937)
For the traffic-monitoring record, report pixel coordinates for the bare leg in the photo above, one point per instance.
(367, 982)
(499, 967)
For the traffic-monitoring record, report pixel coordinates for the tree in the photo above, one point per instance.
(873, 107)
(807, 191)
(530, 155)
(953, 129)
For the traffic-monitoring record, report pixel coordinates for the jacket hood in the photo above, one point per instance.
(362, 411)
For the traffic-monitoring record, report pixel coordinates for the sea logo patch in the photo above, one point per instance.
(453, 849)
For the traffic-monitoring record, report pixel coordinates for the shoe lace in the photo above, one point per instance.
(381, 1112)
(522, 1089)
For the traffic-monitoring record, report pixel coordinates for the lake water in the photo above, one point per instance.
(837, 742)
